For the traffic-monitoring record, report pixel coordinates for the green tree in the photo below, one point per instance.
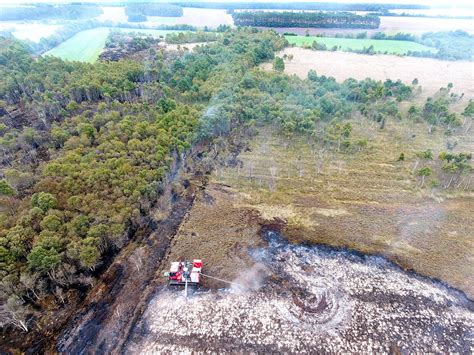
(278, 64)
(424, 172)
(44, 200)
(6, 189)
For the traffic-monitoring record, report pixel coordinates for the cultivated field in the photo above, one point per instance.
(452, 12)
(85, 46)
(420, 24)
(431, 73)
(347, 44)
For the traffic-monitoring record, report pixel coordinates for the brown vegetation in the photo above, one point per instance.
(432, 74)
(365, 201)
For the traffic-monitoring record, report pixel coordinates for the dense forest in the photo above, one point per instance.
(322, 6)
(86, 149)
(453, 45)
(73, 11)
(305, 19)
(154, 9)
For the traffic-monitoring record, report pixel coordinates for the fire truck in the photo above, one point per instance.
(185, 273)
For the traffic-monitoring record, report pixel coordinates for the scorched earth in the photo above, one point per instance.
(308, 299)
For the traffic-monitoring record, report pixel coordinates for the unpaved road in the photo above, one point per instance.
(432, 74)
(313, 299)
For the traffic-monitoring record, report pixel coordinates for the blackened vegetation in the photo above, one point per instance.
(305, 19)
(120, 45)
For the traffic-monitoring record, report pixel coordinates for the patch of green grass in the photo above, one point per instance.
(87, 45)
(84, 46)
(348, 44)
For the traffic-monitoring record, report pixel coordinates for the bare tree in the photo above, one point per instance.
(86, 280)
(137, 258)
(273, 178)
(13, 312)
(299, 167)
(250, 167)
(29, 281)
(59, 293)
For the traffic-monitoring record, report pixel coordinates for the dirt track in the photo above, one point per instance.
(432, 74)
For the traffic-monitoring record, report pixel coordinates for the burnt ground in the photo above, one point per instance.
(113, 305)
(311, 299)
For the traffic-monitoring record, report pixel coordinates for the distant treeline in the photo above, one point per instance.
(454, 45)
(324, 6)
(45, 11)
(154, 9)
(305, 19)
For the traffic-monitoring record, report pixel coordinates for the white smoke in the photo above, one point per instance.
(251, 279)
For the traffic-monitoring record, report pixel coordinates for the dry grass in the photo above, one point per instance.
(219, 234)
(431, 73)
(366, 201)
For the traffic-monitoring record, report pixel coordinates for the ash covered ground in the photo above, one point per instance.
(308, 299)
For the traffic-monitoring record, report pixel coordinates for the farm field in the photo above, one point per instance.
(87, 45)
(420, 25)
(345, 44)
(452, 12)
(431, 73)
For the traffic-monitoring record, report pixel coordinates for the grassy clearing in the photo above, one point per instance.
(87, 45)
(363, 200)
(348, 44)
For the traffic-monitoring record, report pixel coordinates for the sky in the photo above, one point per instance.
(431, 3)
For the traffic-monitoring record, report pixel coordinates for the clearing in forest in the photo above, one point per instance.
(432, 74)
(348, 44)
(84, 46)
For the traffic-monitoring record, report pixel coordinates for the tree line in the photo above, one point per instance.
(322, 6)
(305, 19)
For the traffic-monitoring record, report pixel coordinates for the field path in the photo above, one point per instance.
(431, 73)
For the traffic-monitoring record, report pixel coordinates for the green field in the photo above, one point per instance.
(86, 45)
(348, 44)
